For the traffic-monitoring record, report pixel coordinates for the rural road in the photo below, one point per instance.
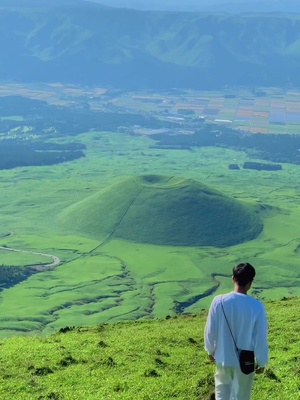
(37, 267)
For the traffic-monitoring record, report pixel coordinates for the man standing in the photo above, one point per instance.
(236, 320)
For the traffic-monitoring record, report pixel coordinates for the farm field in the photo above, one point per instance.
(103, 278)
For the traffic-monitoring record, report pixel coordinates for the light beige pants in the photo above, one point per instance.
(232, 384)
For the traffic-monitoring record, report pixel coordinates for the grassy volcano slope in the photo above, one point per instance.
(154, 360)
(97, 215)
(164, 211)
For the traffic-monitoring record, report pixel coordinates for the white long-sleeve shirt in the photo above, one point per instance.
(248, 323)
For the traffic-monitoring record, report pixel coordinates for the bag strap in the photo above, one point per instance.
(236, 348)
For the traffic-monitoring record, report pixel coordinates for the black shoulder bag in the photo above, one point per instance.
(245, 357)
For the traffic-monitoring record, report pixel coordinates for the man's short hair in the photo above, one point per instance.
(243, 273)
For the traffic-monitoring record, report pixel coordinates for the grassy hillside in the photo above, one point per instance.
(91, 44)
(164, 210)
(153, 360)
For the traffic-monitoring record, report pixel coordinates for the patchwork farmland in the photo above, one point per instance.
(263, 111)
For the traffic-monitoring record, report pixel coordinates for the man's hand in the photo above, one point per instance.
(260, 370)
(211, 358)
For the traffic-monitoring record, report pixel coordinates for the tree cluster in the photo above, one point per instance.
(22, 154)
(280, 148)
(11, 275)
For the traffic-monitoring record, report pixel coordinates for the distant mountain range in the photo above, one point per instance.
(232, 6)
(83, 42)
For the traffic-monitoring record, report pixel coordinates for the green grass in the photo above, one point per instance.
(12, 258)
(160, 359)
